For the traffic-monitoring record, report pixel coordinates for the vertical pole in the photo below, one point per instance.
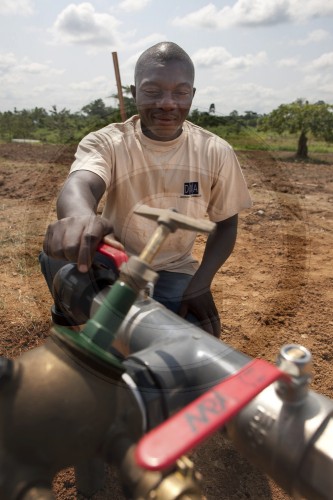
(120, 91)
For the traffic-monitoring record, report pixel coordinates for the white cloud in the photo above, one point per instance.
(206, 17)
(315, 80)
(247, 61)
(261, 96)
(288, 62)
(219, 56)
(325, 61)
(315, 36)
(10, 80)
(318, 86)
(16, 7)
(97, 83)
(14, 68)
(318, 81)
(134, 5)
(7, 62)
(46, 89)
(209, 91)
(254, 13)
(310, 9)
(236, 97)
(148, 41)
(38, 69)
(212, 56)
(81, 24)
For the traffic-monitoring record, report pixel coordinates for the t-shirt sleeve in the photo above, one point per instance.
(229, 194)
(95, 154)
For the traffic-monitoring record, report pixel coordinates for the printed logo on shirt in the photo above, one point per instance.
(191, 189)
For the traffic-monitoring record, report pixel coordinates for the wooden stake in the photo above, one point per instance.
(120, 90)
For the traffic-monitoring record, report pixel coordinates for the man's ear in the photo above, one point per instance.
(133, 91)
(194, 89)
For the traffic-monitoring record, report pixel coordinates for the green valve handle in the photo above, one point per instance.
(100, 331)
(103, 326)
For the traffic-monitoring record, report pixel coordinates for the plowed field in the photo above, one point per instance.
(276, 288)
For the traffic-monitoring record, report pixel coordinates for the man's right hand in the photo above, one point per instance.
(76, 239)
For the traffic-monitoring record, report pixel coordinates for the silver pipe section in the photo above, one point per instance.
(287, 431)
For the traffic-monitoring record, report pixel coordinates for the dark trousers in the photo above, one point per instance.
(168, 290)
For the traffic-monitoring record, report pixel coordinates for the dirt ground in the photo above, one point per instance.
(276, 288)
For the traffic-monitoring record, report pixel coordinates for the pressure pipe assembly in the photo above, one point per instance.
(136, 376)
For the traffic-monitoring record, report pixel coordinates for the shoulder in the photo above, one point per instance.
(208, 144)
(113, 133)
(207, 137)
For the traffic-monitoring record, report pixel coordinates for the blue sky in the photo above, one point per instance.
(249, 54)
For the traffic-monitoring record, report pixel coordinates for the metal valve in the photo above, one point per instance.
(296, 361)
(98, 337)
(182, 484)
(168, 221)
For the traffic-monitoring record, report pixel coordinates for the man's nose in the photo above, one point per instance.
(167, 101)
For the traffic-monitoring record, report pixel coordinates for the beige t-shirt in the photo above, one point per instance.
(198, 174)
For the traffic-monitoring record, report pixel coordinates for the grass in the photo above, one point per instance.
(250, 139)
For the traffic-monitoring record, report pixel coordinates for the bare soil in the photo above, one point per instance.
(276, 288)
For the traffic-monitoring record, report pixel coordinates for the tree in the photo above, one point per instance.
(129, 103)
(303, 118)
(251, 118)
(205, 119)
(61, 123)
(96, 108)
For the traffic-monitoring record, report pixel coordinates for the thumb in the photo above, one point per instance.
(109, 239)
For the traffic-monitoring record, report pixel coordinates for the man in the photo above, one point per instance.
(160, 159)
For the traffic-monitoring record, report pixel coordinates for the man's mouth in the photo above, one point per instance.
(165, 118)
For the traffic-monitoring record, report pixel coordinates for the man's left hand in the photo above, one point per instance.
(202, 306)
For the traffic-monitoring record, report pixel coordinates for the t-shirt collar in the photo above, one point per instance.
(152, 144)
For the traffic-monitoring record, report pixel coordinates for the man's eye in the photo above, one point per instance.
(152, 93)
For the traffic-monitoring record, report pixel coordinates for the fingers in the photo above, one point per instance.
(210, 323)
(87, 249)
(203, 307)
(110, 240)
(92, 234)
(53, 241)
(76, 239)
(214, 326)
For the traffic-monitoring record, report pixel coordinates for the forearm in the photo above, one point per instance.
(198, 299)
(219, 247)
(78, 230)
(80, 195)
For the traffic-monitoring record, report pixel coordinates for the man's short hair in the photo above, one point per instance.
(163, 52)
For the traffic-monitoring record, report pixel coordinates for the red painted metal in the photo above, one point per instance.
(161, 447)
(118, 256)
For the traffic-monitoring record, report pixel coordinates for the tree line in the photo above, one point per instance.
(63, 126)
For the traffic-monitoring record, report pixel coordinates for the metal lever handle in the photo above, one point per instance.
(173, 218)
(168, 221)
(162, 446)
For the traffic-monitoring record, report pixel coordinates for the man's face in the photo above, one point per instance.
(163, 96)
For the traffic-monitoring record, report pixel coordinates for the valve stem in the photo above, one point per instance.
(296, 361)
